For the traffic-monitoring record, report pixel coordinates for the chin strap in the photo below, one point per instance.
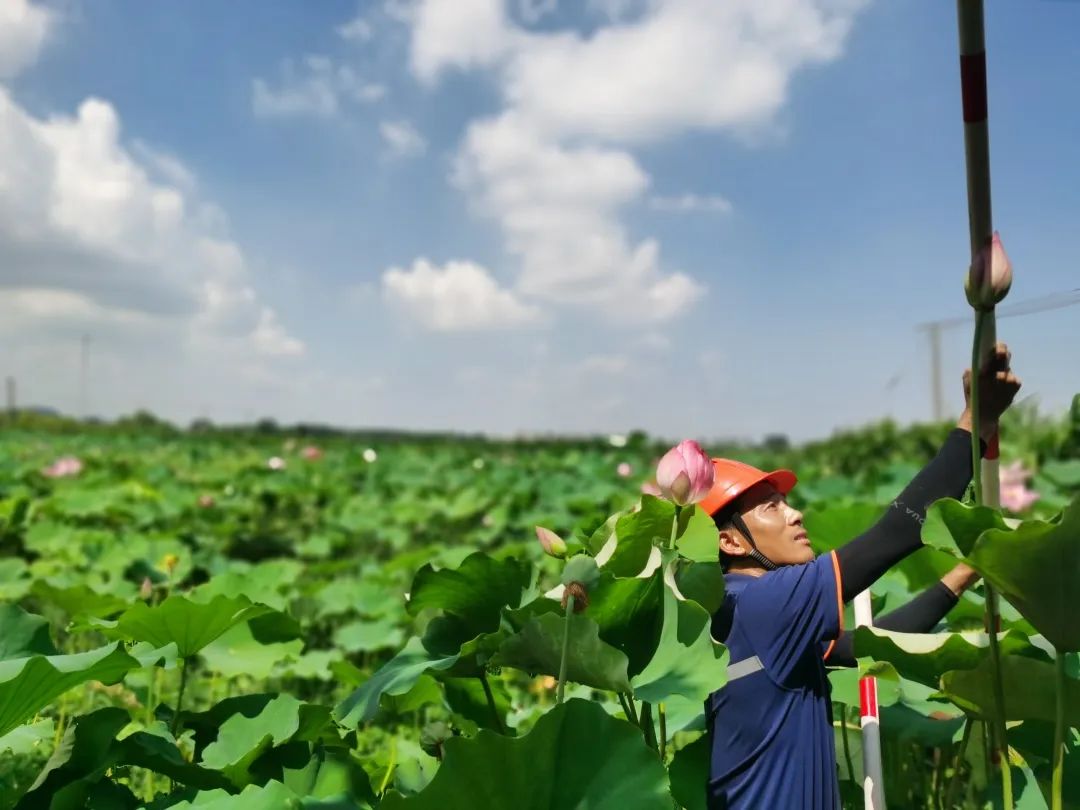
(754, 554)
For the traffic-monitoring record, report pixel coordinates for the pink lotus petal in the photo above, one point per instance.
(624, 470)
(685, 473)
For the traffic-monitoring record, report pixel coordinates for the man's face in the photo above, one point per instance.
(777, 527)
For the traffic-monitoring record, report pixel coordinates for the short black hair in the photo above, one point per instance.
(722, 519)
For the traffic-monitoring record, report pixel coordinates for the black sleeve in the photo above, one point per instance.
(920, 615)
(898, 532)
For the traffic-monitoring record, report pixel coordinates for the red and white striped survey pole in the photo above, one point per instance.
(873, 787)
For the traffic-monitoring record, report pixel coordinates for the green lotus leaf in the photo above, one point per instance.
(24, 739)
(193, 625)
(1029, 690)
(467, 698)
(79, 600)
(271, 796)
(89, 749)
(629, 613)
(365, 635)
(23, 634)
(576, 755)
(1036, 567)
(687, 662)
(924, 656)
(638, 533)
(702, 582)
(476, 591)
(237, 652)
(396, 677)
(699, 540)
(953, 527)
(241, 740)
(27, 685)
(831, 525)
(537, 649)
(689, 774)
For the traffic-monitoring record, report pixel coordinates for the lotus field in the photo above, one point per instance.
(241, 620)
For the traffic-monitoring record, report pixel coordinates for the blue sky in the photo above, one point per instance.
(696, 218)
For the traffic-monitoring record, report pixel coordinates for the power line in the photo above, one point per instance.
(935, 328)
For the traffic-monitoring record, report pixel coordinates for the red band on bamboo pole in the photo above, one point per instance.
(993, 451)
(868, 697)
(973, 86)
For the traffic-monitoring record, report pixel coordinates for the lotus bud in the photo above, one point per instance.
(624, 470)
(553, 545)
(146, 589)
(685, 473)
(276, 463)
(206, 501)
(989, 276)
(311, 453)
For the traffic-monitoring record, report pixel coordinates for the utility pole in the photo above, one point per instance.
(934, 330)
(84, 362)
(11, 405)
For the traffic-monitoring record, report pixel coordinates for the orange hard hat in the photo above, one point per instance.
(733, 478)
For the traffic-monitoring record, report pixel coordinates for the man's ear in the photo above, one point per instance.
(731, 543)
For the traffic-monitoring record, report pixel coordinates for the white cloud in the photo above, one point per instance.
(458, 297)
(356, 30)
(685, 203)
(557, 207)
(685, 64)
(88, 237)
(402, 138)
(316, 87)
(553, 170)
(461, 34)
(23, 29)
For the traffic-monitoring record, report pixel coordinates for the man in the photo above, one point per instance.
(782, 618)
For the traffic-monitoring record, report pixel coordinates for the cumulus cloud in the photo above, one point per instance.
(554, 168)
(317, 86)
(686, 203)
(23, 29)
(461, 296)
(87, 235)
(402, 139)
(557, 208)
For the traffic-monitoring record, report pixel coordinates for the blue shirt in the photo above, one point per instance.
(771, 724)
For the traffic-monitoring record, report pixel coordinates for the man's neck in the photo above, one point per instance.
(750, 569)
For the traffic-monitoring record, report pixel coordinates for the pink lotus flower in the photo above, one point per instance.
(685, 473)
(989, 276)
(311, 453)
(624, 470)
(64, 467)
(552, 544)
(276, 463)
(1015, 496)
(650, 488)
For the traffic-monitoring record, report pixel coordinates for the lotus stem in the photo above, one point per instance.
(663, 730)
(565, 648)
(647, 725)
(844, 739)
(1059, 732)
(999, 737)
(180, 696)
(961, 749)
(631, 710)
(674, 528)
(491, 703)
